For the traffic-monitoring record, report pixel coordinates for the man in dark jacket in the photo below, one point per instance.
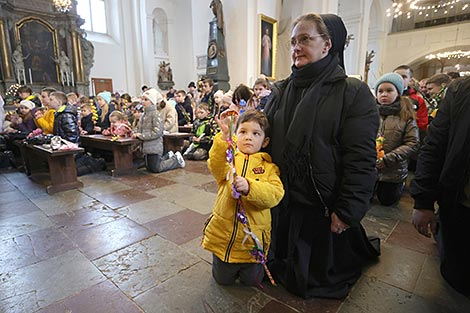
(443, 175)
(65, 117)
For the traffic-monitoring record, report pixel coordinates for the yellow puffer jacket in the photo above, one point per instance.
(46, 122)
(223, 233)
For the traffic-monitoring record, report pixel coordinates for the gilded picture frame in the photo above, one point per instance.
(39, 43)
(267, 46)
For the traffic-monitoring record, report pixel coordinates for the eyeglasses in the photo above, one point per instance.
(303, 40)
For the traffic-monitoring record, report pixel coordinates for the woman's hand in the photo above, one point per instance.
(241, 185)
(97, 129)
(136, 135)
(337, 226)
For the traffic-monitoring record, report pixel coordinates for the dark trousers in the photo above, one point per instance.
(452, 239)
(251, 274)
(389, 193)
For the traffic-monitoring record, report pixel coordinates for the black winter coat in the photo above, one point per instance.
(310, 260)
(65, 123)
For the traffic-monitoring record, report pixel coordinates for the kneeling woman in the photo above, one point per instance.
(400, 132)
(150, 131)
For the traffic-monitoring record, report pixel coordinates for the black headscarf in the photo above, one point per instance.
(338, 34)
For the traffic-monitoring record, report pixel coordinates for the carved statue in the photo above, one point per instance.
(216, 6)
(88, 53)
(18, 63)
(165, 76)
(64, 64)
(369, 56)
(348, 40)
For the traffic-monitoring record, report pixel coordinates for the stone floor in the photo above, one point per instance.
(131, 244)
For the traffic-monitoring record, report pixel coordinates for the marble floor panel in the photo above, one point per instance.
(131, 244)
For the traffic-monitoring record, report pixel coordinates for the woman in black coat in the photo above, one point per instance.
(323, 134)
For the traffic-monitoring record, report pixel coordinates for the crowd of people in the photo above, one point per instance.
(312, 151)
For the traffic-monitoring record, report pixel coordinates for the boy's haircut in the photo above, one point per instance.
(254, 116)
(86, 106)
(59, 95)
(209, 81)
(263, 82)
(439, 79)
(241, 92)
(48, 90)
(203, 106)
(126, 97)
(404, 67)
(118, 115)
(25, 89)
(144, 87)
(181, 92)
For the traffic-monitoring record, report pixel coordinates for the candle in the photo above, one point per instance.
(30, 76)
(73, 80)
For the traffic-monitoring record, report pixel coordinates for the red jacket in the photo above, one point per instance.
(421, 110)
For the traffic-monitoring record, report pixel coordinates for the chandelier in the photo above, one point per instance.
(63, 5)
(449, 55)
(423, 8)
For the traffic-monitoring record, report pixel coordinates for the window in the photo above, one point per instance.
(94, 14)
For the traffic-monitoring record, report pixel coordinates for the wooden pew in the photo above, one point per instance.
(62, 167)
(185, 129)
(174, 141)
(121, 148)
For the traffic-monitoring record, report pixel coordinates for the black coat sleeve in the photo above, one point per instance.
(69, 127)
(358, 154)
(425, 185)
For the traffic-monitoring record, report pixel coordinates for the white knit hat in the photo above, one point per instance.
(29, 104)
(154, 96)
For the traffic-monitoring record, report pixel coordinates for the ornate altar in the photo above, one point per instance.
(42, 47)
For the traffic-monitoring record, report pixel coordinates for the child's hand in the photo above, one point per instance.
(136, 135)
(241, 185)
(224, 122)
(38, 114)
(97, 129)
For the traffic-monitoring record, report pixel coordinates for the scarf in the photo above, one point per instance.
(389, 109)
(302, 95)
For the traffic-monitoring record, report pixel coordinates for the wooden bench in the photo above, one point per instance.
(61, 163)
(174, 141)
(185, 129)
(121, 148)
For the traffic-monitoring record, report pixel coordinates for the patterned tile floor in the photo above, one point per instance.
(131, 244)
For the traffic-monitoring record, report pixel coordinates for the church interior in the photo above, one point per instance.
(132, 242)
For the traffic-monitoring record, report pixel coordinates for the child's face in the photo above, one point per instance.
(179, 98)
(137, 114)
(85, 112)
(201, 114)
(113, 119)
(258, 89)
(251, 138)
(386, 93)
(100, 101)
(23, 95)
(24, 110)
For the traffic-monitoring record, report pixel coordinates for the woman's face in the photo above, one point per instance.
(100, 101)
(307, 45)
(386, 93)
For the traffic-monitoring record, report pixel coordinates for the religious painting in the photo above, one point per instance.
(268, 46)
(38, 40)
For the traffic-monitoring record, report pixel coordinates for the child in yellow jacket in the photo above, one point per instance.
(257, 180)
